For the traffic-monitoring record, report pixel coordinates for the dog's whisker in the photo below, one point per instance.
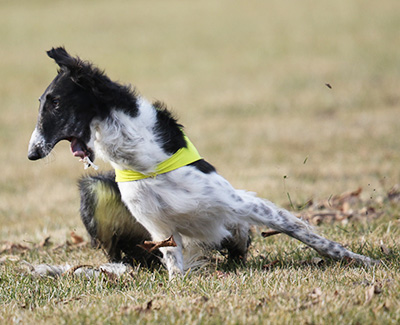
(50, 158)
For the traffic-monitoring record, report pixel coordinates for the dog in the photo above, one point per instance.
(163, 181)
(112, 227)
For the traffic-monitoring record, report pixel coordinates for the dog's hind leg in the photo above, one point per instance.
(264, 212)
(238, 244)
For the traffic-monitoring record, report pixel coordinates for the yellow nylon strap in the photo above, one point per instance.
(183, 157)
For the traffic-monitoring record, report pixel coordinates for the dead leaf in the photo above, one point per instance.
(59, 246)
(348, 195)
(376, 289)
(387, 305)
(317, 261)
(45, 242)
(342, 208)
(270, 265)
(76, 239)
(394, 193)
(125, 310)
(262, 302)
(9, 258)
(67, 301)
(138, 309)
(12, 247)
(221, 274)
(384, 249)
(369, 294)
(314, 261)
(112, 277)
(345, 207)
(315, 295)
(149, 305)
(153, 245)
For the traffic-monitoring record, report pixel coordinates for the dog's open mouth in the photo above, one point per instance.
(79, 149)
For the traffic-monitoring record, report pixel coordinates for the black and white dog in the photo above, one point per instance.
(177, 192)
(112, 227)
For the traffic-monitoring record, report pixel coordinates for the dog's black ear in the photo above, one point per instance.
(63, 59)
(82, 73)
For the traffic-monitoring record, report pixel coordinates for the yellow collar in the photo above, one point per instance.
(184, 156)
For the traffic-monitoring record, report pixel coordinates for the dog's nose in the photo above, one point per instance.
(34, 154)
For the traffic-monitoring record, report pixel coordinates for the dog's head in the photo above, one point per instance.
(67, 107)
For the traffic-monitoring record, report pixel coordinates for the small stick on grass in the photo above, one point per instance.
(269, 233)
(153, 245)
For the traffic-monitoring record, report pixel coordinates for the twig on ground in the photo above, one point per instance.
(153, 245)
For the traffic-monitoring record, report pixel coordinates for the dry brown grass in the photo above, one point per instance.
(248, 82)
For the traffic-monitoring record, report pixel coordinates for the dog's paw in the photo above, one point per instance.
(363, 260)
(175, 273)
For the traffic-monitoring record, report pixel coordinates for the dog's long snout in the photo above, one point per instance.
(36, 146)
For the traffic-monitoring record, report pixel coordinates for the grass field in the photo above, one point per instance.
(249, 82)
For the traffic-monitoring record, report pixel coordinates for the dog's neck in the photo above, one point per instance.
(130, 142)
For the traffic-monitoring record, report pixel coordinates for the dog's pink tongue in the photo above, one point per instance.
(77, 149)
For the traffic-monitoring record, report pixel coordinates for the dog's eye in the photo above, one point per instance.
(55, 102)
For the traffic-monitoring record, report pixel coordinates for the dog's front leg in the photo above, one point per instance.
(173, 257)
(146, 205)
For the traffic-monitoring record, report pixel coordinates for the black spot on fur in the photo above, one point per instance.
(238, 198)
(290, 233)
(291, 228)
(332, 246)
(283, 216)
(168, 129)
(208, 190)
(266, 210)
(337, 252)
(203, 166)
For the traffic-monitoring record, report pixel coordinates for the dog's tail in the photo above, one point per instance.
(263, 212)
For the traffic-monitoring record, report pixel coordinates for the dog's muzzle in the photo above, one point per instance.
(36, 146)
